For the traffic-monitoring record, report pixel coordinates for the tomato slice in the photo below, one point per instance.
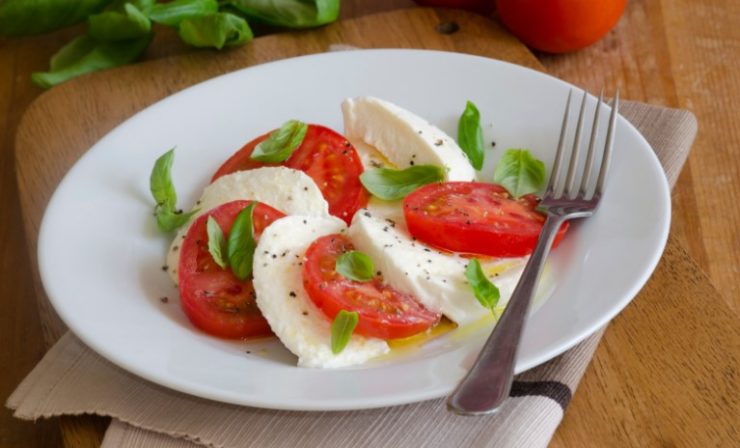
(213, 298)
(325, 156)
(385, 313)
(475, 218)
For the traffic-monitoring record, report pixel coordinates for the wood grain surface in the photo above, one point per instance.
(645, 388)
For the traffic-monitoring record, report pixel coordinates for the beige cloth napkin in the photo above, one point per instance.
(71, 379)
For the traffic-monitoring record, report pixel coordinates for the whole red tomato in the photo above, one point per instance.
(557, 26)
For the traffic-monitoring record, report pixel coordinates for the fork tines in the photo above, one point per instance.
(585, 191)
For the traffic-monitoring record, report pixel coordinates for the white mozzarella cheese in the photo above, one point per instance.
(285, 189)
(298, 323)
(436, 279)
(291, 191)
(404, 138)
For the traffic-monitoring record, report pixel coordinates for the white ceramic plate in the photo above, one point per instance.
(100, 255)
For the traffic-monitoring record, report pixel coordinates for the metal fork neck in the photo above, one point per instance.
(488, 383)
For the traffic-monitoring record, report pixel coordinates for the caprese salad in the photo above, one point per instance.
(342, 245)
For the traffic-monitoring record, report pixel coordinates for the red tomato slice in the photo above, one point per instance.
(475, 218)
(385, 313)
(325, 156)
(213, 298)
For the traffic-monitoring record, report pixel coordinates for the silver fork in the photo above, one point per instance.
(486, 386)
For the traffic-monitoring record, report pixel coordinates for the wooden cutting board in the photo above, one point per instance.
(65, 121)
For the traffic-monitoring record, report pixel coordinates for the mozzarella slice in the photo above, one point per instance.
(436, 279)
(288, 190)
(402, 137)
(301, 326)
(285, 189)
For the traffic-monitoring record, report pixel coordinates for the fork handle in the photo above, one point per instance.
(487, 384)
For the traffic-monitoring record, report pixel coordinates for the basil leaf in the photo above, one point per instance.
(215, 30)
(391, 185)
(172, 13)
(289, 13)
(85, 54)
(241, 244)
(114, 25)
(341, 329)
(281, 143)
(355, 266)
(216, 242)
(71, 53)
(163, 191)
(486, 292)
(168, 219)
(519, 172)
(160, 181)
(26, 17)
(470, 135)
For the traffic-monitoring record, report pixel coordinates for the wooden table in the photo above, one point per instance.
(675, 53)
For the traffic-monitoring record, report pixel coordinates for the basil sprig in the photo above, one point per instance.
(240, 245)
(163, 191)
(341, 329)
(519, 172)
(216, 242)
(470, 135)
(486, 292)
(389, 184)
(356, 266)
(216, 30)
(201, 23)
(281, 143)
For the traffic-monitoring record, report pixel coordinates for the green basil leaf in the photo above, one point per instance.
(114, 25)
(519, 172)
(241, 244)
(71, 53)
(470, 135)
(86, 55)
(391, 185)
(160, 181)
(26, 17)
(215, 30)
(289, 13)
(172, 13)
(281, 143)
(355, 266)
(216, 242)
(163, 191)
(486, 292)
(341, 329)
(168, 219)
